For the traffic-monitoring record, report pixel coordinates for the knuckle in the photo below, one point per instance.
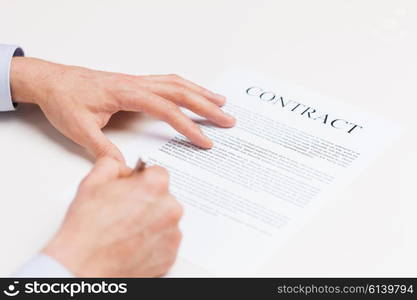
(172, 250)
(191, 129)
(171, 112)
(157, 176)
(164, 268)
(181, 91)
(103, 150)
(173, 109)
(86, 189)
(174, 211)
(84, 184)
(175, 77)
(189, 95)
(178, 211)
(176, 238)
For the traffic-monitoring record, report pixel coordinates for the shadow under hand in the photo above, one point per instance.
(123, 121)
(34, 117)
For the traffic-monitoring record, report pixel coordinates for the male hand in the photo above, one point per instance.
(119, 225)
(79, 102)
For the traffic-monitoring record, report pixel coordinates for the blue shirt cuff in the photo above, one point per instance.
(6, 54)
(43, 266)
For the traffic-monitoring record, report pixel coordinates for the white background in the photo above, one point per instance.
(363, 52)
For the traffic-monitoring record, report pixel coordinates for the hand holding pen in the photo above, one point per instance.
(119, 225)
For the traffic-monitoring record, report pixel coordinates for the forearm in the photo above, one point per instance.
(30, 79)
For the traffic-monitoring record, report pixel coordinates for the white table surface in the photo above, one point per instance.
(363, 51)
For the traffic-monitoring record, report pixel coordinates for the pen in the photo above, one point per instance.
(140, 165)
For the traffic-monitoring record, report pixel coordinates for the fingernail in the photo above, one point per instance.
(230, 116)
(231, 121)
(206, 142)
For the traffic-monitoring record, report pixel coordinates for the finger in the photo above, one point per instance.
(97, 143)
(217, 99)
(194, 102)
(105, 169)
(153, 176)
(156, 176)
(167, 213)
(169, 112)
(169, 241)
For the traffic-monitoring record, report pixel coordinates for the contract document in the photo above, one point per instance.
(290, 150)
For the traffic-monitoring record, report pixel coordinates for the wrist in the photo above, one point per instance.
(29, 79)
(65, 250)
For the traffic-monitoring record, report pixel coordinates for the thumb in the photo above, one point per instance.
(99, 145)
(104, 169)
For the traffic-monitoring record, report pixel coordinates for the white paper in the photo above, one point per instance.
(265, 177)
